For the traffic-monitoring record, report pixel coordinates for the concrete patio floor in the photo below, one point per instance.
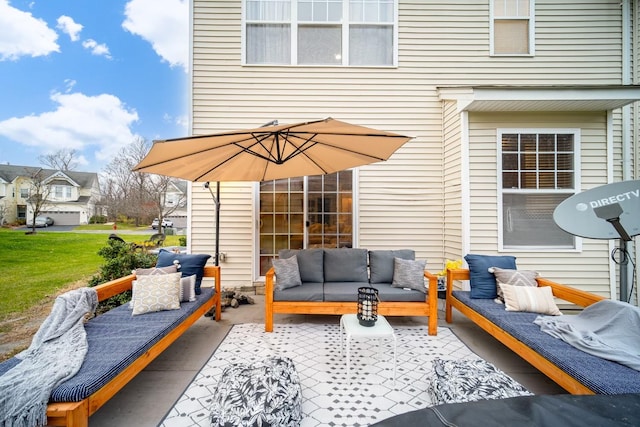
(147, 398)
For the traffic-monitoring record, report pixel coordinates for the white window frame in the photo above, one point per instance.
(532, 32)
(500, 191)
(345, 23)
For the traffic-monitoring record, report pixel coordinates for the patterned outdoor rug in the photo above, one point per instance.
(327, 399)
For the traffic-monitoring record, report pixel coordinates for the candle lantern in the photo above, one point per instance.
(367, 306)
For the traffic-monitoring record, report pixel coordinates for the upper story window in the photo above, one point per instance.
(62, 192)
(320, 32)
(538, 172)
(512, 27)
(24, 193)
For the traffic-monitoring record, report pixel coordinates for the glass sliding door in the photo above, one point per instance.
(329, 210)
(311, 212)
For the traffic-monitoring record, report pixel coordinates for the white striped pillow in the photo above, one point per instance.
(525, 298)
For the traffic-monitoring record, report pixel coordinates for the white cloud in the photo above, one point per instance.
(102, 122)
(24, 35)
(69, 84)
(164, 24)
(67, 25)
(98, 49)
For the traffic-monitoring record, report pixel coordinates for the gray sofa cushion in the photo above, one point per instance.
(381, 263)
(342, 291)
(388, 293)
(309, 291)
(310, 263)
(345, 265)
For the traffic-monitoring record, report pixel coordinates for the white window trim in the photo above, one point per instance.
(294, 40)
(532, 32)
(499, 190)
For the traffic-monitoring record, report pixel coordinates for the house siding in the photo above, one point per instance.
(415, 199)
(592, 273)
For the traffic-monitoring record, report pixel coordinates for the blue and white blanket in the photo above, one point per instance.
(607, 329)
(56, 353)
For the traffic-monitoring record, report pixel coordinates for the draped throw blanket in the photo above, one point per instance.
(56, 354)
(608, 329)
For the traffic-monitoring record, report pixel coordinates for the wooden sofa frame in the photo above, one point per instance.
(76, 414)
(563, 292)
(428, 307)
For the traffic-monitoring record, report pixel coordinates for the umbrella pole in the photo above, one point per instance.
(216, 200)
(217, 223)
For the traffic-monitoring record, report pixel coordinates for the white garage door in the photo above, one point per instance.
(64, 218)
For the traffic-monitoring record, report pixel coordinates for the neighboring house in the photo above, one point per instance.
(514, 106)
(72, 196)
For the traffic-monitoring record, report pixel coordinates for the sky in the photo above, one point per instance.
(91, 76)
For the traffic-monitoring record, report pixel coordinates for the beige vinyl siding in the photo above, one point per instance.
(414, 199)
(452, 247)
(592, 272)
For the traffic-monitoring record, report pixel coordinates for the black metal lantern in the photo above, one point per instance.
(367, 306)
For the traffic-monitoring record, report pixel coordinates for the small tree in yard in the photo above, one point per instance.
(39, 192)
(120, 260)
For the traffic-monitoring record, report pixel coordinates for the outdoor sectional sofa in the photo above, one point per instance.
(576, 371)
(330, 279)
(120, 346)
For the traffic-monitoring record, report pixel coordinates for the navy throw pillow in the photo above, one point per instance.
(189, 264)
(483, 284)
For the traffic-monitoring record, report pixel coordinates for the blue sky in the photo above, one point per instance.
(90, 75)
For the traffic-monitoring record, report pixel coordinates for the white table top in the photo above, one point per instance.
(352, 327)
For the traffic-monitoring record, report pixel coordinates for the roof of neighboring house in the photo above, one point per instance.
(10, 172)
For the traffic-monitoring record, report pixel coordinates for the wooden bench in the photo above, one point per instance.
(563, 292)
(76, 414)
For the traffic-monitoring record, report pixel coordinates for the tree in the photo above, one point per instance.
(39, 192)
(63, 159)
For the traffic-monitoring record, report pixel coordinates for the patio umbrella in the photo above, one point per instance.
(273, 151)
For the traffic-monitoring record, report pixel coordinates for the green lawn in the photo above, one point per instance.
(35, 267)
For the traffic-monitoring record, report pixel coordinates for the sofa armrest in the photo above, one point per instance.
(432, 287)
(567, 293)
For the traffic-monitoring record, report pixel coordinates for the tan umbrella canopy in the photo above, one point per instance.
(271, 152)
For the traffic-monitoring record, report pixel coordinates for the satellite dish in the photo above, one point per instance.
(610, 211)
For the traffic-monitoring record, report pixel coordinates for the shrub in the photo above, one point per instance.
(98, 219)
(182, 240)
(120, 260)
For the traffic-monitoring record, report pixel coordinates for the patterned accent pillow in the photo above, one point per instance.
(287, 273)
(458, 381)
(188, 288)
(156, 293)
(514, 278)
(265, 393)
(155, 270)
(151, 272)
(533, 300)
(409, 274)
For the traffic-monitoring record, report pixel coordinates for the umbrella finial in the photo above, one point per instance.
(271, 123)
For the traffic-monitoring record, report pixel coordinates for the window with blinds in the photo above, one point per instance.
(538, 172)
(512, 27)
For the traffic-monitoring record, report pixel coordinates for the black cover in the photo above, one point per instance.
(562, 410)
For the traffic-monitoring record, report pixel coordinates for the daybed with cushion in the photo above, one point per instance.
(326, 281)
(575, 370)
(124, 340)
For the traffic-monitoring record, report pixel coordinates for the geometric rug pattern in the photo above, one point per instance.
(328, 398)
